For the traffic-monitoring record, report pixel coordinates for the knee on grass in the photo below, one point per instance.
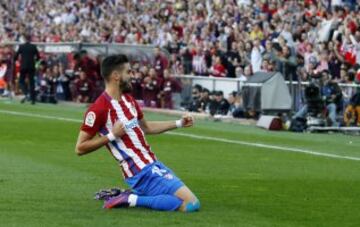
(190, 206)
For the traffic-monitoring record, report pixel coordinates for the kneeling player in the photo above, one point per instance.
(118, 119)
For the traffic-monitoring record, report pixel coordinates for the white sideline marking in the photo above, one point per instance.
(291, 149)
(239, 142)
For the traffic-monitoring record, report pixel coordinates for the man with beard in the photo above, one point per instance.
(118, 119)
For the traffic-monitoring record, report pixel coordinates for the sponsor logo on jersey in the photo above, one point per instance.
(132, 124)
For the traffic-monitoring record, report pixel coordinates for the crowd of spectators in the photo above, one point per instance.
(219, 38)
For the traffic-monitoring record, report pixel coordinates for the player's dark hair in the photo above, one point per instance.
(111, 63)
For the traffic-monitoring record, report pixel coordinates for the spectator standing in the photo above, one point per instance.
(151, 87)
(170, 86)
(233, 60)
(29, 54)
(160, 63)
(187, 58)
(218, 69)
(199, 64)
(136, 81)
(256, 56)
(287, 63)
(84, 88)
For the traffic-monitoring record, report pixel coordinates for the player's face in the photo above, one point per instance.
(125, 84)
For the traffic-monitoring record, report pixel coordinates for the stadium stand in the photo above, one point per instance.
(219, 38)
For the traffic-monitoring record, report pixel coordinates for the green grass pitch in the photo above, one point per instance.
(44, 183)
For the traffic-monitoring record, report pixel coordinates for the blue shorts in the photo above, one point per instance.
(155, 179)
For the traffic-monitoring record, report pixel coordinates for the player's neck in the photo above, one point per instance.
(113, 91)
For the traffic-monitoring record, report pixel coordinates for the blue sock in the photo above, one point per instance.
(158, 202)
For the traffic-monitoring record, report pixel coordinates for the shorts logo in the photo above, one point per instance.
(169, 176)
(90, 119)
(158, 171)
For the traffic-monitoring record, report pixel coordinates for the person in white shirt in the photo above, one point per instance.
(286, 34)
(256, 56)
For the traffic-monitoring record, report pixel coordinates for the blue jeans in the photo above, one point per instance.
(331, 108)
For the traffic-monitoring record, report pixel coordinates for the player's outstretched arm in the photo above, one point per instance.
(157, 127)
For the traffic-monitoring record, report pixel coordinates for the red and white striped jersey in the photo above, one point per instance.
(131, 150)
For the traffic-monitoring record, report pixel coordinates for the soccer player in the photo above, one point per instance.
(118, 119)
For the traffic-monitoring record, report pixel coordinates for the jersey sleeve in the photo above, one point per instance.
(94, 120)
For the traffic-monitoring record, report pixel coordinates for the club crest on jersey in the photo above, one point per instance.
(90, 119)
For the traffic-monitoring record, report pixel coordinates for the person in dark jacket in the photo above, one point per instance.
(29, 54)
(219, 106)
(194, 104)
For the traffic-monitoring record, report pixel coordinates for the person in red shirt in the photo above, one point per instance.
(151, 87)
(160, 63)
(120, 123)
(136, 81)
(7, 70)
(91, 67)
(217, 70)
(84, 88)
(170, 85)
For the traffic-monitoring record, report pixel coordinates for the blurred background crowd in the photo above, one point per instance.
(217, 38)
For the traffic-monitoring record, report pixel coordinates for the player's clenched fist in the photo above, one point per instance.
(187, 120)
(118, 129)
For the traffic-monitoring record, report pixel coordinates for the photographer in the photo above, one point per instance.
(332, 97)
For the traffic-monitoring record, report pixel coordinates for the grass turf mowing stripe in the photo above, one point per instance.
(281, 148)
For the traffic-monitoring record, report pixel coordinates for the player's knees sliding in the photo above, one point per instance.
(190, 206)
(193, 206)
